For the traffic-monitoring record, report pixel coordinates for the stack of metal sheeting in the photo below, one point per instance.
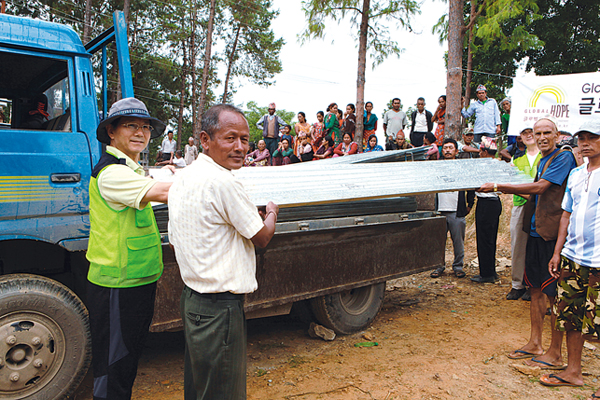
(317, 182)
(415, 154)
(395, 205)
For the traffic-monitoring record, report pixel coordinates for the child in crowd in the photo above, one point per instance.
(305, 151)
(282, 155)
(178, 161)
(429, 140)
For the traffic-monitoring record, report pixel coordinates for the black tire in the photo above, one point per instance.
(349, 311)
(45, 342)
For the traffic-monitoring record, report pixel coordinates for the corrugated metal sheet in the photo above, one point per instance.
(415, 154)
(319, 182)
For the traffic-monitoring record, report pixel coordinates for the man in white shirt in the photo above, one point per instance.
(394, 121)
(576, 260)
(214, 227)
(168, 147)
(454, 206)
(422, 123)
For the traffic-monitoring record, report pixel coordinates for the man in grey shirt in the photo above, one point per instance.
(394, 121)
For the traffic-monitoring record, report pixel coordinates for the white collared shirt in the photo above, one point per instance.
(211, 222)
(168, 146)
(421, 122)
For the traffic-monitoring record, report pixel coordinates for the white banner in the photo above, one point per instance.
(571, 99)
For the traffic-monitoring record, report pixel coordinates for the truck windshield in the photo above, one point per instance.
(34, 92)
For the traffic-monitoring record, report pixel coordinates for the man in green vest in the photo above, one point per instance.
(527, 163)
(124, 248)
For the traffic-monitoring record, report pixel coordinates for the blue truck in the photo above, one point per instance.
(316, 262)
(45, 171)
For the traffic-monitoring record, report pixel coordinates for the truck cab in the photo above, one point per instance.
(49, 106)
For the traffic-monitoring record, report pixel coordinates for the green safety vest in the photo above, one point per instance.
(523, 164)
(124, 247)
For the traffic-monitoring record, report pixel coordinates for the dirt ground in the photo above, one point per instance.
(444, 338)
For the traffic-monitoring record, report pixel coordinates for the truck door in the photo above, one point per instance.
(45, 162)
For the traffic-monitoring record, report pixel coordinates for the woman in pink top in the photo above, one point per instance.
(259, 157)
(316, 130)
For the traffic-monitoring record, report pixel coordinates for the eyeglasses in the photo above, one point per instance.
(133, 128)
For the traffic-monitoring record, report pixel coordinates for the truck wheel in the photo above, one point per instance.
(45, 342)
(349, 311)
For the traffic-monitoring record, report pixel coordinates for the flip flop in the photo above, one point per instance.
(594, 396)
(544, 380)
(523, 354)
(547, 365)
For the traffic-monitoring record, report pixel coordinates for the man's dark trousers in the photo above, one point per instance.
(215, 352)
(487, 219)
(271, 144)
(416, 138)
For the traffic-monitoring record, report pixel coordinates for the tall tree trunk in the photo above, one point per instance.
(230, 63)
(3, 7)
(453, 88)
(469, 77)
(126, 8)
(87, 21)
(182, 94)
(360, 79)
(206, 69)
(194, 82)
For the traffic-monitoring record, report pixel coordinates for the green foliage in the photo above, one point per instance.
(501, 33)
(160, 38)
(257, 51)
(253, 113)
(569, 30)
(379, 44)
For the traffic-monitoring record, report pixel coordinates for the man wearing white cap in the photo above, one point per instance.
(270, 124)
(576, 260)
(487, 115)
(124, 248)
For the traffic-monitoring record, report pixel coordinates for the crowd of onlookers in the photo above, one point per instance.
(332, 135)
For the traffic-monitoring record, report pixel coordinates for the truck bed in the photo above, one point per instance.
(366, 242)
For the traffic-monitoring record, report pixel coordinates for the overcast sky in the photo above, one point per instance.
(321, 72)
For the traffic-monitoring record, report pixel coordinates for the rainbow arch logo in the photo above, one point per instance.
(548, 90)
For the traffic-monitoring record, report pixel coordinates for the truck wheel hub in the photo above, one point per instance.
(29, 355)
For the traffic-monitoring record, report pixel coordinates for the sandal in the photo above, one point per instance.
(459, 273)
(437, 273)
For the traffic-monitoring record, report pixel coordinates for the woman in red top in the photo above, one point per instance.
(346, 147)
